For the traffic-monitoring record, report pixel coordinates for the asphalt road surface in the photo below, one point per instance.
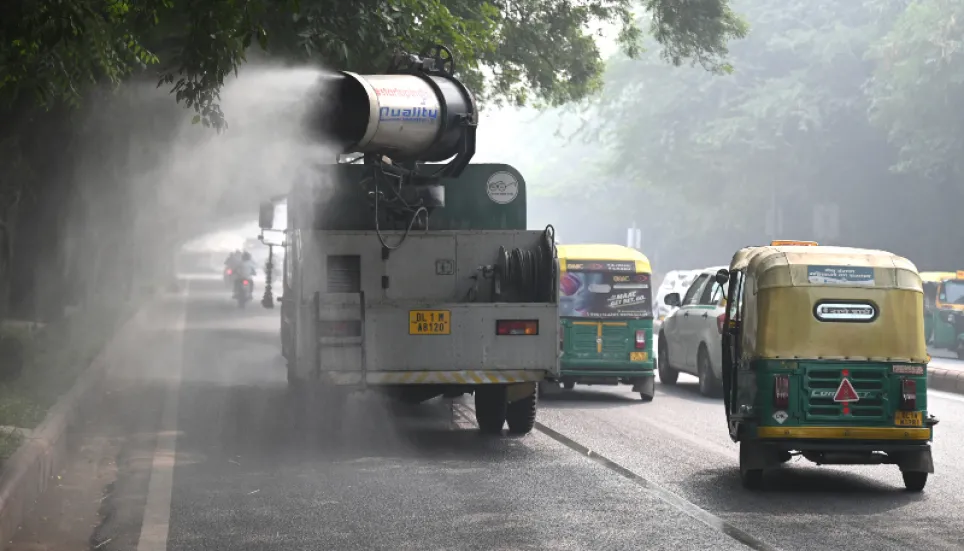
(194, 447)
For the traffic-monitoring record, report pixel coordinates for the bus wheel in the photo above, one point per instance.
(667, 375)
(914, 481)
(491, 406)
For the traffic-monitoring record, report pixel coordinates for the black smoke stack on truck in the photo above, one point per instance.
(413, 278)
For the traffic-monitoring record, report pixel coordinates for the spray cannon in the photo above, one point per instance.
(415, 113)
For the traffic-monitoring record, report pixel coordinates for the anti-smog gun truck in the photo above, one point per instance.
(412, 272)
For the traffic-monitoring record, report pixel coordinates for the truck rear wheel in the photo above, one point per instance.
(491, 408)
(914, 481)
(521, 414)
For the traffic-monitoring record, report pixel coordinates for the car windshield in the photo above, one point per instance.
(605, 294)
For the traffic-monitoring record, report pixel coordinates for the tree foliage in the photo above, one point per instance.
(531, 49)
(832, 105)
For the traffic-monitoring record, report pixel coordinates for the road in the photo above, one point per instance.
(193, 448)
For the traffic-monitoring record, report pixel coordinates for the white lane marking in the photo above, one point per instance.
(157, 509)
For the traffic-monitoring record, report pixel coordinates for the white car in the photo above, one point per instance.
(675, 281)
(689, 340)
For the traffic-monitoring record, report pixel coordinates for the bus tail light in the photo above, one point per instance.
(781, 391)
(640, 339)
(517, 327)
(720, 320)
(908, 394)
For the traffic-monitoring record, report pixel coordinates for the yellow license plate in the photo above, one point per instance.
(908, 419)
(638, 356)
(429, 322)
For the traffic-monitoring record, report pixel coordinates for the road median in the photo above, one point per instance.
(41, 455)
(947, 380)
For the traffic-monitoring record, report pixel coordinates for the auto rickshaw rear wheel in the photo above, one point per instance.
(914, 481)
(752, 479)
(667, 375)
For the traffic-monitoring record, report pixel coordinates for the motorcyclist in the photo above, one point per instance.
(245, 268)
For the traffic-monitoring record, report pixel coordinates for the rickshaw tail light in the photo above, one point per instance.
(908, 394)
(781, 391)
(719, 322)
(640, 338)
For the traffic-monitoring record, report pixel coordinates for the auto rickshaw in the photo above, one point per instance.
(944, 310)
(606, 317)
(824, 357)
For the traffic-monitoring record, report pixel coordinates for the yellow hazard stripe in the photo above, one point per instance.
(843, 433)
(440, 377)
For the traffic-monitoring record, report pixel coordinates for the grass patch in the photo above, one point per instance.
(54, 356)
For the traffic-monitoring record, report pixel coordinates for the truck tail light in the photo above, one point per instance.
(640, 339)
(720, 320)
(781, 391)
(908, 394)
(517, 327)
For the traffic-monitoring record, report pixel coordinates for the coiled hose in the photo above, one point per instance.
(527, 275)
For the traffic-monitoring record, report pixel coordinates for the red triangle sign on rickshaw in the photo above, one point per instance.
(845, 392)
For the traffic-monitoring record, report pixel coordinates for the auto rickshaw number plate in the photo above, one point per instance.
(908, 419)
(638, 356)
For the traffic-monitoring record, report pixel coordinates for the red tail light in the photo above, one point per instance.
(230, 271)
(781, 391)
(908, 394)
(244, 282)
(516, 327)
(640, 339)
(720, 320)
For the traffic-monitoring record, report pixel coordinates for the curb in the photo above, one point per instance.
(28, 472)
(945, 380)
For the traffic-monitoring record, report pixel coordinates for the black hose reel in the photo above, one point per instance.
(527, 275)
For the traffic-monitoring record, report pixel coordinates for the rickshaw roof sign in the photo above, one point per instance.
(792, 243)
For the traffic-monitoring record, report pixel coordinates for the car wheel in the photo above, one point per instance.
(667, 375)
(709, 386)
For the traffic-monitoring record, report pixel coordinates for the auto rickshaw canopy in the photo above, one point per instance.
(603, 252)
(796, 306)
(937, 277)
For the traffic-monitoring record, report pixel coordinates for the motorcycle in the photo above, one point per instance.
(243, 291)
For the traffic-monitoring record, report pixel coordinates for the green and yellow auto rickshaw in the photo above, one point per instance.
(824, 357)
(606, 317)
(944, 310)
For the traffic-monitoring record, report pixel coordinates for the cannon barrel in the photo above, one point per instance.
(407, 117)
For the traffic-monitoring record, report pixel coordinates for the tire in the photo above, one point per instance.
(491, 408)
(568, 385)
(709, 386)
(960, 351)
(752, 479)
(649, 390)
(667, 375)
(521, 414)
(914, 481)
